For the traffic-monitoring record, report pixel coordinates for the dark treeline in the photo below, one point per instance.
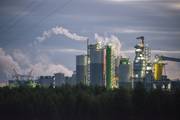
(88, 103)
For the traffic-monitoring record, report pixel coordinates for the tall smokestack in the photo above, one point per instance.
(87, 45)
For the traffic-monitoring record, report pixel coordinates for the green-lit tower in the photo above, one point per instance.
(108, 67)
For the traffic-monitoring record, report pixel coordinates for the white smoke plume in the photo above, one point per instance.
(44, 66)
(60, 31)
(173, 70)
(20, 58)
(22, 64)
(7, 64)
(49, 69)
(112, 40)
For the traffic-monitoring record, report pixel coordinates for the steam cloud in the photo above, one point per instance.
(21, 63)
(60, 31)
(7, 64)
(113, 40)
(42, 66)
(49, 69)
(172, 70)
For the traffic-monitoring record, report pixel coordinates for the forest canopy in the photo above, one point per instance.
(88, 103)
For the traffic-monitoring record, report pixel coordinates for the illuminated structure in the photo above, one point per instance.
(97, 65)
(111, 79)
(139, 61)
(142, 63)
(161, 80)
(102, 66)
(108, 68)
(142, 66)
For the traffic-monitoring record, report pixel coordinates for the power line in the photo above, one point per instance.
(32, 7)
(16, 17)
(13, 22)
(55, 10)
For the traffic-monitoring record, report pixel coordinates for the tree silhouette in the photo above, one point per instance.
(88, 103)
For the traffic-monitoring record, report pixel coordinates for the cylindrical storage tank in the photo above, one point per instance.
(59, 79)
(81, 69)
(158, 69)
(81, 60)
(125, 70)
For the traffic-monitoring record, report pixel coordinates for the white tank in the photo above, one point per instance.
(125, 71)
(81, 60)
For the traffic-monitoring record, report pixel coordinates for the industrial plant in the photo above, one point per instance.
(103, 67)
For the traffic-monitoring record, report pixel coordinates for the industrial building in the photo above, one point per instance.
(161, 81)
(111, 78)
(81, 69)
(46, 81)
(151, 73)
(71, 80)
(59, 79)
(142, 66)
(97, 65)
(140, 60)
(125, 73)
(112, 71)
(22, 83)
(101, 66)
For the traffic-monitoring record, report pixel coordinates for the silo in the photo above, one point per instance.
(81, 69)
(158, 70)
(125, 71)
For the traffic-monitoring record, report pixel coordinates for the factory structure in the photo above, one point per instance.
(98, 67)
(57, 80)
(102, 66)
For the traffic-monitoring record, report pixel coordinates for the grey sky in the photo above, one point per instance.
(22, 21)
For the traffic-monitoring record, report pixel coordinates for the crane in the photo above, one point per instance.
(165, 58)
(161, 79)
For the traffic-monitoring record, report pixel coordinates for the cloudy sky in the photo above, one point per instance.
(45, 35)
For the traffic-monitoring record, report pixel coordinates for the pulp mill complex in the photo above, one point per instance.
(102, 66)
